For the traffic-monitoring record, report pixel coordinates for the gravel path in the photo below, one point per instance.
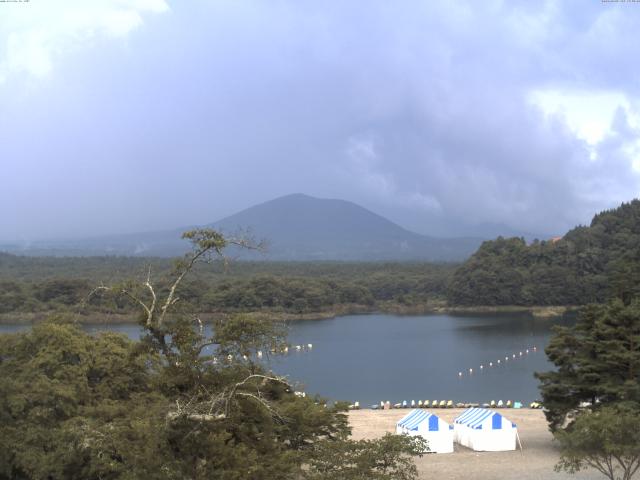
(535, 462)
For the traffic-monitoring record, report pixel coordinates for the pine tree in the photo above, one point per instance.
(597, 362)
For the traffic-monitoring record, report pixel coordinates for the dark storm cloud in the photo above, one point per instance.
(421, 111)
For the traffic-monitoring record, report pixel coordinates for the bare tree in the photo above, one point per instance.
(208, 245)
(156, 308)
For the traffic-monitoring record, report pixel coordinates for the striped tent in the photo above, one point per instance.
(437, 432)
(482, 429)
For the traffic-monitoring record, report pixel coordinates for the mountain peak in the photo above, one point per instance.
(302, 227)
(303, 197)
(294, 196)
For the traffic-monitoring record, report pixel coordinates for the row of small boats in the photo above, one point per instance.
(445, 404)
(419, 404)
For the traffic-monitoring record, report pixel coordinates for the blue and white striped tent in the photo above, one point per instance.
(485, 430)
(437, 432)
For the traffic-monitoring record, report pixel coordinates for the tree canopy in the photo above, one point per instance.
(597, 361)
(592, 398)
(38, 286)
(607, 440)
(589, 264)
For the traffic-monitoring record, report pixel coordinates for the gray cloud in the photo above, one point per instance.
(420, 111)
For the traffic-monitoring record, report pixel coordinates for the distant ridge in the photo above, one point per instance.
(301, 227)
(297, 227)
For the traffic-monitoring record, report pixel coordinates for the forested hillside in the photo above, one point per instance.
(45, 284)
(589, 264)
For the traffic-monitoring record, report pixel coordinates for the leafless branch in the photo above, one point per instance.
(208, 406)
(260, 399)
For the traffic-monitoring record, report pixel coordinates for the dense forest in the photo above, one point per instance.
(589, 264)
(44, 284)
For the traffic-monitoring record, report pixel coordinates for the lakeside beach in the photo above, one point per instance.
(535, 462)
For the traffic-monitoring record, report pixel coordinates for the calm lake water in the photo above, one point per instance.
(369, 358)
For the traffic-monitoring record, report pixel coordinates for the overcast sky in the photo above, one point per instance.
(124, 116)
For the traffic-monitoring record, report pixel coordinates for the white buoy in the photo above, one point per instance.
(514, 355)
(471, 370)
(481, 367)
(244, 357)
(259, 353)
(491, 364)
(527, 350)
(286, 349)
(459, 374)
(309, 346)
(498, 361)
(298, 347)
(506, 359)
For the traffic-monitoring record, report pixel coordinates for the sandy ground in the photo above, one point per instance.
(535, 462)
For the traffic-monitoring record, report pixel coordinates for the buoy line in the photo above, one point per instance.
(500, 361)
(260, 354)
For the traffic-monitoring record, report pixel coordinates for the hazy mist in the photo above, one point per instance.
(443, 116)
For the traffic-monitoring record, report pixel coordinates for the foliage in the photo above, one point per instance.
(589, 264)
(386, 458)
(247, 335)
(592, 399)
(597, 361)
(607, 440)
(35, 284)
(77, 406)
(59, 390)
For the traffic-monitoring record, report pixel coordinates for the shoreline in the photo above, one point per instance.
(29, 318)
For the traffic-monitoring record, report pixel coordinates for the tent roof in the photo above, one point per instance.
(416, 417)
(476, 417)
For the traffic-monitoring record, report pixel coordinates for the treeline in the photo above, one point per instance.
(588, 265)
(45, 284)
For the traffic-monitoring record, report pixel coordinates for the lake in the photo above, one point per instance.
(374, 357)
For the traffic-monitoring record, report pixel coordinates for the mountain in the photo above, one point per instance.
(300, 227)
(589, 264)
(296, 227)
